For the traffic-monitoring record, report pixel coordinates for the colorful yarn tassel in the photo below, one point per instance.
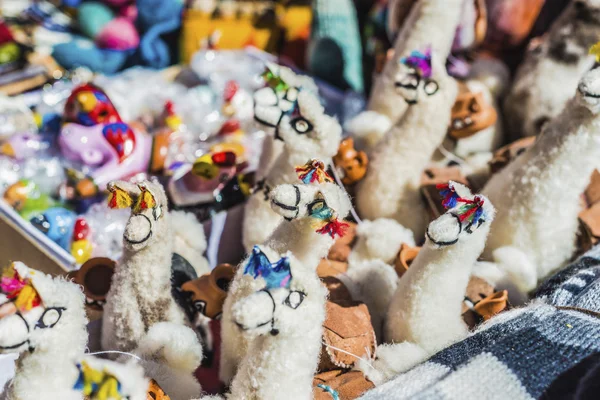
(277, 274)
(145, 201)
(333, 228)
(313, 171)
(449, 194)
(119, 198)
(19, 290)
(419, 61)
(98, 385)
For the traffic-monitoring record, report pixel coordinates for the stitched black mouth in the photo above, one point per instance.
(442, 244)
(585, 93)
(148, 236)
(16, 346)
(410, 102)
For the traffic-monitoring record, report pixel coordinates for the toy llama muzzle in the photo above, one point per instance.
(148, 203)
(588, 91)
(465, 214)
(23, 314)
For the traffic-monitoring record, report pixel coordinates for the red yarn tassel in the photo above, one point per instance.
(333, 228)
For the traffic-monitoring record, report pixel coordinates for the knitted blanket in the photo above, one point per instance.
(519, 353)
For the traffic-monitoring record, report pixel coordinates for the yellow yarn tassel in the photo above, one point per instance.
(118, 198)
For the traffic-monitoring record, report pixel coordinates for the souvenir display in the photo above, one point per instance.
(334, 199)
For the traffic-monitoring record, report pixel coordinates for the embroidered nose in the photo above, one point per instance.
(274, 332)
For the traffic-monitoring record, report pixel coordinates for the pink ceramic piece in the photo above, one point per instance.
(129, 12)
(90, 146)
(117, 3)
(118, 34)
(186, 188)
(22, 145)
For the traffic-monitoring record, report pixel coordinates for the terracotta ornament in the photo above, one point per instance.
(470, 114)
(350, 163)
(208, 293)
(94, 277)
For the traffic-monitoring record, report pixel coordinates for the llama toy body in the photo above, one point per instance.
(391, 186)
(560, 56)
(307, 133)
(285, 315)
(425, 313)
(430, 23)
(318, 207)
(270, 104)
(140, 293)
(537, 195)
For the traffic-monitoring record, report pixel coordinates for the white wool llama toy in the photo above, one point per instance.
(140, 293)
(425, 313)
(307, 132)
(430, 23)
(391, 186)
(283, 322)
(545, 81)
(313, 213)
(43, 319)
(538, 194)
(270, 105)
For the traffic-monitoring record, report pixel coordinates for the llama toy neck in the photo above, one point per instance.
(291, 377)
(391, 186)
(538, 195)
(301, 239)
(430, 23)
(433, 291)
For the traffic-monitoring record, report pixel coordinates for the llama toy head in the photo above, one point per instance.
(280, 94)
(40, 312)
(317, 198)
(420, 76)
(292, 296)
(588, 91)
(468, 216)
(307, 129)
(148, 204)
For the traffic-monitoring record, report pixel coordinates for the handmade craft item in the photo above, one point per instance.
(391, 187)
(307, 133)
(351, 165)
(551, 175)
(425, 313)
(286, 312)
(431, 24)
(560, 56)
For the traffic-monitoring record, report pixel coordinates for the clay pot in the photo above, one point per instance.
(208, 293)
(95, 276)
(351, 164)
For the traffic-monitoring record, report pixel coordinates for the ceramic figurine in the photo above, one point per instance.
(350, 164)
(27, 199)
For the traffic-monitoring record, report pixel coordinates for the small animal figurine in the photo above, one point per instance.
(67, 230)
(113, 151)
(350, 164)
(88, 105)
(21, 146)
(27, 199)
(202, 181)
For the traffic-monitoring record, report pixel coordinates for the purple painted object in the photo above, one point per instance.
(88, 145)
(23, 145)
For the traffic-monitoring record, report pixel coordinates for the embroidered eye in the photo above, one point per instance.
(410, 81)
(316, 206)
(301, 125)
(200, 306)
(294, 299)
(50, 317)
(431, 87)
(157, 212)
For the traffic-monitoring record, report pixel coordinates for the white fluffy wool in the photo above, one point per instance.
(431, 23)
(140, 293)
(368, 128)
(537, 195)
(426, 308)
(379, 239)
(55, 349)
(281, 365)
(391, 187)
(190, 240)
(272, 148)
(544, 83)
(321, 143)
(297, 236)
(170, 354)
